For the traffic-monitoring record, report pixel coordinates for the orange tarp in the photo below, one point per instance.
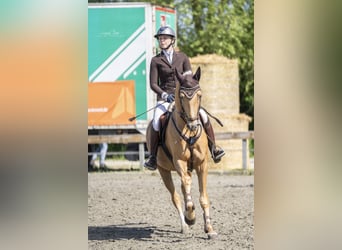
(111, 103)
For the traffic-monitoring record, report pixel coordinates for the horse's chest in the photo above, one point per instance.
(186, 151)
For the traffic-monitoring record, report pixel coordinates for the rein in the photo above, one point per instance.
(189, 140)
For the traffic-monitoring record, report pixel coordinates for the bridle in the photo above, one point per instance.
(189, 93)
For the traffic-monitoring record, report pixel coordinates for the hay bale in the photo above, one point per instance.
(231, 123)
(220, 87)
(219, 83)
(233, 148)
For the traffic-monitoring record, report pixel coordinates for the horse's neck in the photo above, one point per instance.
(178, 119)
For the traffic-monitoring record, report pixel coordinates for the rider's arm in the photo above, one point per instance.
(154, 77)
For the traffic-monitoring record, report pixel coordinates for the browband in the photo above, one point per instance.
(190, 92)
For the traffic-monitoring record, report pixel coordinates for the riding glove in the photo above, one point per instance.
(168, 97)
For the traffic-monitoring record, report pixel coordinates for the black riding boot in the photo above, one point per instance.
(151, 163)
(216, 152)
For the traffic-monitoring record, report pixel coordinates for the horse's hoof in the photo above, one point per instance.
(212, 235)
(190, 222)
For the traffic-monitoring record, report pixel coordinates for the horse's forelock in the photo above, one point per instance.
(189, 87)
(189, 82)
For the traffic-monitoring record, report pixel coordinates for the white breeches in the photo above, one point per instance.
(159, 110)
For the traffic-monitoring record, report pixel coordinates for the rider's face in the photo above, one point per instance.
(164, 41)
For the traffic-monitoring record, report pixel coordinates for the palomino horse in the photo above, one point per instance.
(187, 146)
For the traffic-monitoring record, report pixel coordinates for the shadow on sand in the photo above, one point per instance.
(135, 231)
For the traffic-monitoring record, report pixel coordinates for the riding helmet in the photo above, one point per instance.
(165, 30)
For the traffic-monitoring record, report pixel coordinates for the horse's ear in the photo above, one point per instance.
(197, 75)
(179, 76)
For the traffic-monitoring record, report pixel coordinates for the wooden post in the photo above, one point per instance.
(141, 155)
(244, 154)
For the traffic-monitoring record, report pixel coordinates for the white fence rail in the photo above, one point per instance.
(141, 139)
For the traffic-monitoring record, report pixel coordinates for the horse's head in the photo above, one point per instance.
(188, 98)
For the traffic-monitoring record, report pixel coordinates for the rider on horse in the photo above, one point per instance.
(162, 82)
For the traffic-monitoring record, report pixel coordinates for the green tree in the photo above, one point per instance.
(225, 28)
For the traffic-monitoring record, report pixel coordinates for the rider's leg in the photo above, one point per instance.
(216, 152)
(151, 163)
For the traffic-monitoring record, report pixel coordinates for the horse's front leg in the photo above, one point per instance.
(186, 181)
(175, 197)
(190, 215)
(205, 204)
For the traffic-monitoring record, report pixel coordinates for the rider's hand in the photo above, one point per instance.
(168, 97)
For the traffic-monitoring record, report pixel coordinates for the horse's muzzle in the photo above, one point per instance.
(193, 125)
